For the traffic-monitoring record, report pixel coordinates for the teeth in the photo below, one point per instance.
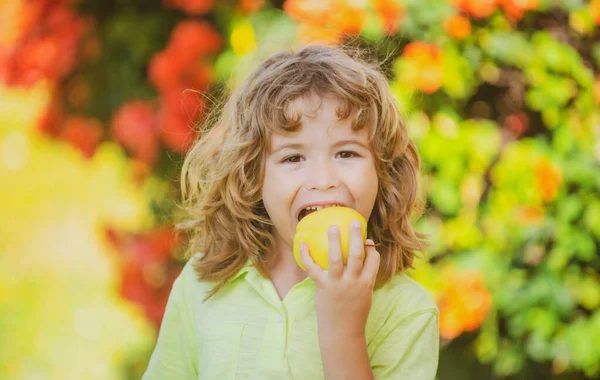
(319, 207)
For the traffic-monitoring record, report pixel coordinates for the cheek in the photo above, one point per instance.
(365, 188)
(278, 190)
(270, 179)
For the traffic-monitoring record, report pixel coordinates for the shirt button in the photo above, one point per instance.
(280, 318)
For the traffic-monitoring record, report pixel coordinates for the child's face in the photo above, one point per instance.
(328, 162)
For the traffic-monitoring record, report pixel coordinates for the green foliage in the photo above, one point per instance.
(510, 141)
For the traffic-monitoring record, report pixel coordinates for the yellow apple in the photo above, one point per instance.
(313, 230)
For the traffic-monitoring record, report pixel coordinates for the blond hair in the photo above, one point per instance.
(223, 172)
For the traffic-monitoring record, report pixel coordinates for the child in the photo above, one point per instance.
(312, 128)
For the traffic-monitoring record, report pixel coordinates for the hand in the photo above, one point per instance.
(343, 294)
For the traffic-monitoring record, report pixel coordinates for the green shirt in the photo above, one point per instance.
(245, 331)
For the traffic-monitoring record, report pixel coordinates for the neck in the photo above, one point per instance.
(283, 269)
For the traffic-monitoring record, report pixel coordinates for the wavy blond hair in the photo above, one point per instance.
(223, 172)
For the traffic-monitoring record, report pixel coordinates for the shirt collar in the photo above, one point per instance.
(248, 267)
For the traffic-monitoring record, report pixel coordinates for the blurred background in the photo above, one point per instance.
(99, 100)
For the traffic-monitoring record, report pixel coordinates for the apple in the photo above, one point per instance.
(313, 230)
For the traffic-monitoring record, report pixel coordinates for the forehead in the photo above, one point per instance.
(314, 105)
(318, 115)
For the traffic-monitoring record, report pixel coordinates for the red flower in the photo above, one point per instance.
(180, 61)
(84, 134)
(50, 120)
(146, 276)
(251, 6)
(191, 40)
(46, 50)
(135, 126)
(187, 103)
(517, 123)
(176, 130)
(195, 7)
(164, 69)
(179, 74)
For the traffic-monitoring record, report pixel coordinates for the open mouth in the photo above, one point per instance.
(311, 209)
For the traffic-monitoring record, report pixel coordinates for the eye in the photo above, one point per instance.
(292, 159)
(347, 154)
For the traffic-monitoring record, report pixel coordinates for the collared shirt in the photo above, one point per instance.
(245, 331)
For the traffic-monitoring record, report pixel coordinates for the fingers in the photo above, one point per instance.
(313, 270)
(356, 253)
(371, 266)
(335, 262)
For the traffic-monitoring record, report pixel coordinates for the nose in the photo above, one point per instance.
(322, 175)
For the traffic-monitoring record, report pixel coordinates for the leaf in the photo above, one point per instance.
(512, 48)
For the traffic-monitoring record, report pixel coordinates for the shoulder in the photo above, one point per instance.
(406, 294)
(403, 332)
(188, 286)
(401, 308)
(195, 291)
(400, 300)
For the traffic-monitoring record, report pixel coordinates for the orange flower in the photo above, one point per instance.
(309, 33)
(391, 12)
(339, 16)
(457, 26)
(135, 126)
(419, 50)
(426, 64)
(465, 302)
(349, 19)
(314, 11)
(516, 8)
(476, 8)
(548, 179)
(594, 8)
(12, 15)
(531, 215)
